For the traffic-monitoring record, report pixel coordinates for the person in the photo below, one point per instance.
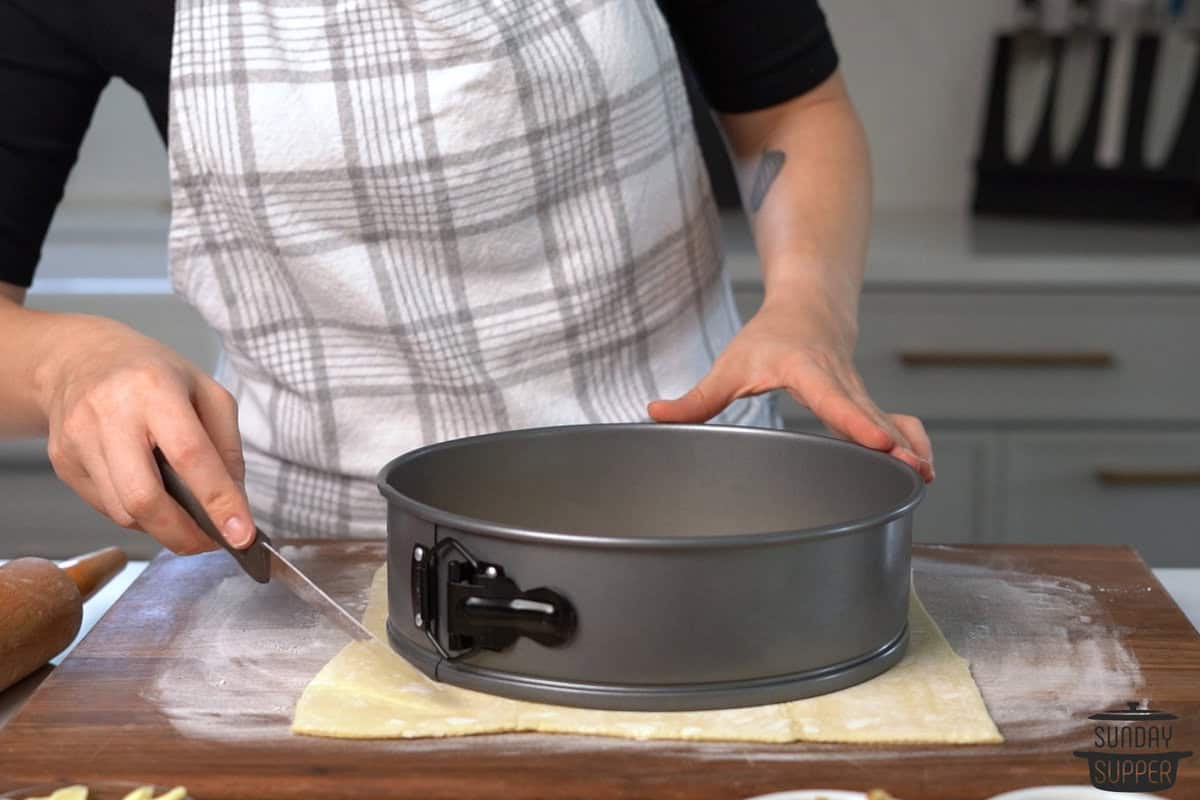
(413, 222)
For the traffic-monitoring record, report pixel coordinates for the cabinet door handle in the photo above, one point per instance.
(1161, 476)
(1006, 358)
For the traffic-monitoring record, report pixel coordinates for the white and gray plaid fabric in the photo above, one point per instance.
(414, 221)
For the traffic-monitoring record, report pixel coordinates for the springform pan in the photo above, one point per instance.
(649, 566)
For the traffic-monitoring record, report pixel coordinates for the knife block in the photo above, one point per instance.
(1077, 186)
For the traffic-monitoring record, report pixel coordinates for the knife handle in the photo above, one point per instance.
(254, 559)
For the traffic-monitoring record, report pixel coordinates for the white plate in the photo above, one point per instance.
(1031, 793)
(106, 790)
(1070, 793)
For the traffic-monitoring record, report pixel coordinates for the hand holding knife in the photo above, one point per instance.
(260, 559)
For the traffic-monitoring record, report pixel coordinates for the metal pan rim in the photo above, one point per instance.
(461, 522)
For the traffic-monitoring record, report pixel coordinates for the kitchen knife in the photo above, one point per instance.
(261, 560)
(1078, 74)
(1174, 72)
(1123, 18)
(1029, 80)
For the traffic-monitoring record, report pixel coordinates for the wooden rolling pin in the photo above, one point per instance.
(41, 607)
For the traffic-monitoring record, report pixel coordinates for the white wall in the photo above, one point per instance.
(917, 72)
(122, 160)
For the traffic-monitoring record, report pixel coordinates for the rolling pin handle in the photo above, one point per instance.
(92, 571)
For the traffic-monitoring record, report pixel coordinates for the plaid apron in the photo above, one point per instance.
(414, 221)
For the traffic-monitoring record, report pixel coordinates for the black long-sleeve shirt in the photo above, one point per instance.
(56, 56)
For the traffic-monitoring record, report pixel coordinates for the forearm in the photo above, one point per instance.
(26, 337)
(804, 172)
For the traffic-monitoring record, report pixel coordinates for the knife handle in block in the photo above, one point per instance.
(254, 559)
(92, 571)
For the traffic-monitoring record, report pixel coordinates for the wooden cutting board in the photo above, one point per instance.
(191, 678)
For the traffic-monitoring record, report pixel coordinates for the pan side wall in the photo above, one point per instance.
(685, 615)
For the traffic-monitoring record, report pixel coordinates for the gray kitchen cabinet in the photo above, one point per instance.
(1106, 487)
(1056, 367)
(970, 356)
(959, 505)
(43, 517)
(1080, 355)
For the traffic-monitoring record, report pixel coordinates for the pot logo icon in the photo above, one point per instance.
(1132, 750)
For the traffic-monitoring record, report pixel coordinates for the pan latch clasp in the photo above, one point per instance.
(486, 610)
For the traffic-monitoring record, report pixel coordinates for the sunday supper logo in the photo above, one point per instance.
(1132, 750)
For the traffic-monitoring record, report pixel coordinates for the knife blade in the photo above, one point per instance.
(303, 587)
(261, 560)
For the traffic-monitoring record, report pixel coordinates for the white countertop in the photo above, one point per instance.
(1183, 584)
(125, 253)
(940, 250)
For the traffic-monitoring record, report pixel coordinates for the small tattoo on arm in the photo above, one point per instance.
(769, 167)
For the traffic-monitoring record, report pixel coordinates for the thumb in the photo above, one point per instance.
(702, 402)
